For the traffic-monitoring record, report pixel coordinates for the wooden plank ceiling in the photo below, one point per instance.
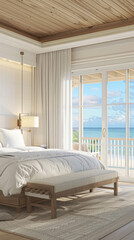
(47, 20)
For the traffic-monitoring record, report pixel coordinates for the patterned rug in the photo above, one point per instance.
(87, 216)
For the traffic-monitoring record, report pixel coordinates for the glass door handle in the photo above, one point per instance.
(104, 132)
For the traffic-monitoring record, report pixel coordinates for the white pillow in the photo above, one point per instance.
(0, 145)
(11, 138)
(2, 139)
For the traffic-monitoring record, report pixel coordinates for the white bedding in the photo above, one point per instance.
(22, 149)
(19, 166)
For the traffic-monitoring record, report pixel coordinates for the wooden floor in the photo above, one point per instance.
(124, 233)
(10, 236)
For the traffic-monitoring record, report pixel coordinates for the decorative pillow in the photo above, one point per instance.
(11, 138)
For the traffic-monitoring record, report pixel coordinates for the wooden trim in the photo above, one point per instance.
(110, 188)
(53, 207)
(28, 204)
(116, 188)
(72, 33)
(17, 201)
(92, 29)
(20, 32)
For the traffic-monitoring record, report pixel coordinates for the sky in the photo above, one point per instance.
(92, 95)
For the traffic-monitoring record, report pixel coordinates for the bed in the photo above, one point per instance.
(20, 164)
(17, 200)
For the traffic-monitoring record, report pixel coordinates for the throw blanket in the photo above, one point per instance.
(18, 168)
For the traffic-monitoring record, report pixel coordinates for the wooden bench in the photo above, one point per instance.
(65, 185)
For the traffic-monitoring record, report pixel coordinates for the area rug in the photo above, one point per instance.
(87, 216)
(5, 214)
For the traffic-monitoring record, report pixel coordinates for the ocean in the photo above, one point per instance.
(112, 132)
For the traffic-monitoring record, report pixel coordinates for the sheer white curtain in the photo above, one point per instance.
(52, 99)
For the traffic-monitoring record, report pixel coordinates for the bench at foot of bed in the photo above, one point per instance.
(65, 185)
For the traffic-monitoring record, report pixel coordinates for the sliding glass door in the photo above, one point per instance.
(131, 123)
(103, 117)
(92, 112)
(75, 111)
(121, 121)
(116, 113)
(87, 112)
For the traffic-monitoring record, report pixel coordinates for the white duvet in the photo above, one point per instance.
(19, 166)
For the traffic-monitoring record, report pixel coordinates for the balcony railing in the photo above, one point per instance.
(116, 150)
(93, 144)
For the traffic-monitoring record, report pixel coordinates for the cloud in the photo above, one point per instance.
(75, 123)
(95, 89)
(93, 122)
(114, 94)
(119, 109)
(131, 92)
(75, 101)
(87, 100)
(132, 111)
(117, 116)
(117, 121)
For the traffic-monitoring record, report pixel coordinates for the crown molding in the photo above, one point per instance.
(16, 40)
(90, 39)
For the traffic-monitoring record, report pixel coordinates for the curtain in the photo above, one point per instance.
(52, 99)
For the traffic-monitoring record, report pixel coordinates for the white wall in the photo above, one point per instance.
(10, 92)
(10, 84)
(103, 54)
(13, 53)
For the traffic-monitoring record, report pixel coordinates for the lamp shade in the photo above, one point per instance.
(30, 121)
